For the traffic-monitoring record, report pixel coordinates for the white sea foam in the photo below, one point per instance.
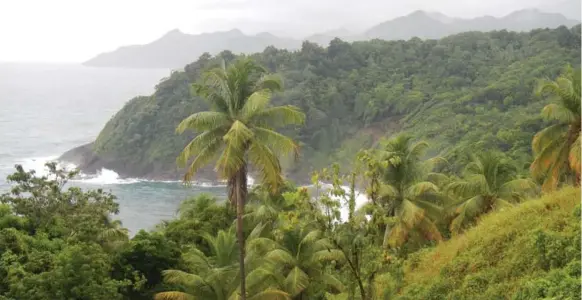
(105, 176)
(38, 164)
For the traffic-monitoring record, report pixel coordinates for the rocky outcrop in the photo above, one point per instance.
(90, 162)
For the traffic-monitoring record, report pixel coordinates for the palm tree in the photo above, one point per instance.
(406, 194)
(300, 255)
(239, 130)
(557, 147)
(489, 183)
(266, 206)
(214, 276)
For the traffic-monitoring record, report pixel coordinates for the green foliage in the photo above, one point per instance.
(57, 243)
(451, 92)
(469, 94)
(557, 147)
(528, 252)
(489, 183)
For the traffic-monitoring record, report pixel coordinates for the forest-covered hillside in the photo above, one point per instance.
(451, 92)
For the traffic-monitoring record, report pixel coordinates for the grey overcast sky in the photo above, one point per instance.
(76, 30)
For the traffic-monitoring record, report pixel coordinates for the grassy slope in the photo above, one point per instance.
(529, 252)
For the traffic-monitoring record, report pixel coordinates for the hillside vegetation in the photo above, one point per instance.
(528, 252)
(468, 225)
(452, 92)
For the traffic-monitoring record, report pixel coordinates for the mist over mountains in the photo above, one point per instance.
(176, 49)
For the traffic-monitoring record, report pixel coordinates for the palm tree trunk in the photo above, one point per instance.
(240, 193)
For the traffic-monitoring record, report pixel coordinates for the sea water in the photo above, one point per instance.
(47, 109)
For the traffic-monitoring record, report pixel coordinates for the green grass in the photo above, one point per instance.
(528, 252)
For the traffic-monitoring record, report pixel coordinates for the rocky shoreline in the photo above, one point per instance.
(90, 162)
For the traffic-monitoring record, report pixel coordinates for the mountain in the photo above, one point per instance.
(452, 92)
(176, 49)
(433, 25)
(569, 8)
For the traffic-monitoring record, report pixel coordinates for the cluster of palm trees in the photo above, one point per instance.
(408, 199)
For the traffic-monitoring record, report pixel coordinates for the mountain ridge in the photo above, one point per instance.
(176, 48)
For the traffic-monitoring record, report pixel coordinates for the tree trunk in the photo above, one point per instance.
(238, 196)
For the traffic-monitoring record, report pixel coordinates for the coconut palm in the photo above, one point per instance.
(557, 147)
(489, 183)
(406, 195)
(266, 206)
(214, 277)
(238, 131)
(300, 255)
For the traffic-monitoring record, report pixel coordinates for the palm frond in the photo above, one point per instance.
(199, 144)
(310, 237)
(474, 185)
(282, 257)
(387, 190)
(174, 296)
(417, 150)
(278, 143)
(203, 121)
(555, 112)
(332, 282)
(256, 103)
(547, 136)
(395, 236)
(279, 116)
(430, 230)
(271, 82)
(467, 211)
(410, 214)
(270, 294)
(574, 156)
(296, 281)
(232, 158)
(431, 209)
(329, 255)
(267, 164)
(421, 188)
(202, 158)
(517, 187)
(182, 278)
(114, 234)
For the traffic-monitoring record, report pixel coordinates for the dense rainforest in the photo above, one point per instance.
(472, 180)
(451, 92)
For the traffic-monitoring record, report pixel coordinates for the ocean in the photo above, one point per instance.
(47, 109)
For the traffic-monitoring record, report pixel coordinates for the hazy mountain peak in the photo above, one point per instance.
(173, 33)
(440, 17)
(176, 48)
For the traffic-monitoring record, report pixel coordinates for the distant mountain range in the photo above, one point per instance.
(176, 49)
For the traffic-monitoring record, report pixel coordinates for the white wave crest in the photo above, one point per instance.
(38, 164)
(105, 176)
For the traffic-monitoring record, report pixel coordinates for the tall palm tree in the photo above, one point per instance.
(214, 277)
(238, 131)
(406, 194)
(489, 183)
(300, 255)
(557, 147)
